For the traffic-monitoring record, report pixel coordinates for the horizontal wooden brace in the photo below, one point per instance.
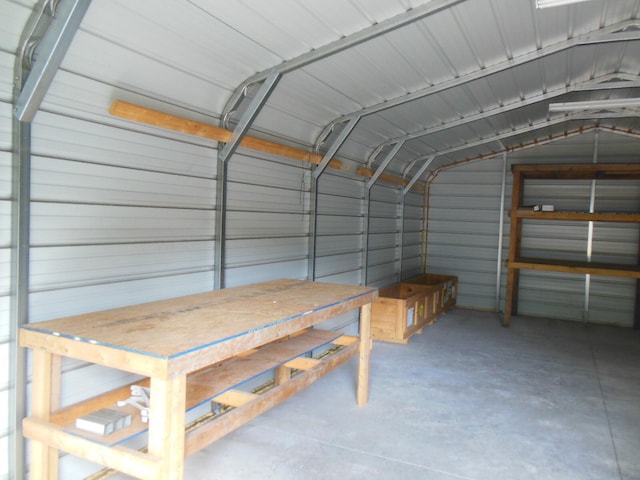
(235, 398)
(367, 172)
(197, 439)
(124, 459)
(156, 118)
(302, 363)
(345, 340)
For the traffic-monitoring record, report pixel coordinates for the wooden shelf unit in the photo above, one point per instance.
(515, 263)
(193, 350)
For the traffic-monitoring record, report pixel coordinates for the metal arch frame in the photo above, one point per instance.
(367, 203)
(612, 33)
(401, 20)
(315, 178)
(49, 32)
(600, 83)
(501, 136)
(52, 47)
(369, 33)
(266, 89)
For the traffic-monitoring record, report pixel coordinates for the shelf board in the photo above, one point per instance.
(567, 266)
(577, 216)
(579, 171)
(213, 382)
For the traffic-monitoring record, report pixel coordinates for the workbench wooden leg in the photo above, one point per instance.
(45, 391)
(166, 425)
(365, 353)
(511, 297)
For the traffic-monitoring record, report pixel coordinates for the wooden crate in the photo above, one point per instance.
(447, 286)
(403, 310)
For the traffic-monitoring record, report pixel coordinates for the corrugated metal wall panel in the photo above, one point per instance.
(267, 219)
(463, 228)
(13, 17)
(119, 217)
(385, 223)
(412, 234)
(340, 225)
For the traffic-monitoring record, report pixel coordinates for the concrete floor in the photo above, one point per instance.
(467, 399)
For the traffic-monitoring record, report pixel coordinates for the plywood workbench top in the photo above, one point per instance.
(174, 327)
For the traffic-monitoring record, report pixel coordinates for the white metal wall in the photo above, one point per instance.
(562, 295)
(5, 257)
(412, 234)
(463, 229)
(267, 219)
(123, 213)
(385, 223)
(463, 226)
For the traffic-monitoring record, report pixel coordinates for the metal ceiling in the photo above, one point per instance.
(447, 79)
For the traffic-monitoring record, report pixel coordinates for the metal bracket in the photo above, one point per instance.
(44, 56)
(385, 163)
(140, 399)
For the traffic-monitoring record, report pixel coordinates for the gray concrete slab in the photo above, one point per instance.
(467, 399)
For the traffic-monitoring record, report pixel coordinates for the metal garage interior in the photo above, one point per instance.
(159, 148)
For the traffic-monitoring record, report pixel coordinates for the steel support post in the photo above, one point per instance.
(374, 178)
(315, 178)
(224, 154)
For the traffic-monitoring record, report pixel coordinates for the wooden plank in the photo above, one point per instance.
(593, 268)
(579, 171)
(199, 438)
(160, 119)
(282, 374)
(235, 398)
(123, 459)
(214, 381)
(33, 336)
(393, 180)
(345, 340)
(156, 118)
(46, 377)
(166, 425)
(364, 355)
(515, 237)
(577, 216)
(207, 383)
(68, 415)
(302, 363)
(194, 331)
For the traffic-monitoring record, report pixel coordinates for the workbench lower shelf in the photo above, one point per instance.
(223, 384)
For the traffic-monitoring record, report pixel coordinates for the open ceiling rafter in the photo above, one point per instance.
(619, 32)
(364, 35)
(606, 82)
(538, 140)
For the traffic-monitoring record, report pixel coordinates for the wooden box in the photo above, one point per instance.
(402, 310)
(447, 286)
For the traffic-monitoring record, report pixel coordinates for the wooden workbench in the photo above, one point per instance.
(192, 349)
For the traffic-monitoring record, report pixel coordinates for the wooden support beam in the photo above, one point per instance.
(235, 398)
(156, 118)
(369, 173)
(120, 458)
(302, 363)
